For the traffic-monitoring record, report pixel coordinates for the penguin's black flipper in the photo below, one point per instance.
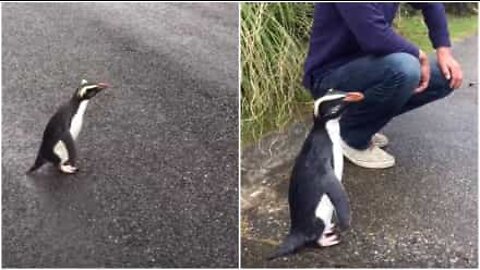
(289, 245)
(339, 198)
(70, 145)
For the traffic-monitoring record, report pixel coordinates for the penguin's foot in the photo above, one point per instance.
(327, 241)
(68, 169)
(329, 237)
(329, 229)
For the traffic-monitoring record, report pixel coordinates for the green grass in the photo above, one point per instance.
(274, 41)
(273, 46)
(415, 30)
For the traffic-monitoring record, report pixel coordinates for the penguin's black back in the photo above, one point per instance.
(306, 188)
(58, 124)
(312, 177)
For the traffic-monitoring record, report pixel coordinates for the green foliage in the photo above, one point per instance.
(414, 29)
(274, 39)
(455, 9)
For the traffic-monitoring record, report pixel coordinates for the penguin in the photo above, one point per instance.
(315, 189)
(61, 132)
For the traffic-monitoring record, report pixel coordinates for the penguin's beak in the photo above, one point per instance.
(103, 86)
(353, 97)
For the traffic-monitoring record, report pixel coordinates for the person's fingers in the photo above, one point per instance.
(453, 80)
(460, 78)
(423, 85)
(420, 89)
(424, 77)
(445, 70)
(457, 76)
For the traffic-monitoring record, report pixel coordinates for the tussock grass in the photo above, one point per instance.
(274, 39)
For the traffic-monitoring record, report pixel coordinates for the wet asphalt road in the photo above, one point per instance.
(421, 213)
(158, 180)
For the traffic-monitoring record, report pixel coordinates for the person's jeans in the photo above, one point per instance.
(388, 84)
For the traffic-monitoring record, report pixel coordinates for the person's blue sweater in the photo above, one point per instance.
(342, 32)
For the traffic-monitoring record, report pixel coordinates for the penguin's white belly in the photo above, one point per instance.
(325, 209)
(77, 120)
(333, 129)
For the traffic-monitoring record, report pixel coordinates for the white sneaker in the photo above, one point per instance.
(379, 140)
(373, 157)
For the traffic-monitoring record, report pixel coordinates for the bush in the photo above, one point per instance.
(274, 40)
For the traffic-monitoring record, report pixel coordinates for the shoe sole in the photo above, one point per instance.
(371, 165)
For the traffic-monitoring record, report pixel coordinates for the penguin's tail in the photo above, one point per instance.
(38, 163)
(289, 245)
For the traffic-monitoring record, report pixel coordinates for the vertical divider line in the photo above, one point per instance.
(239, 8)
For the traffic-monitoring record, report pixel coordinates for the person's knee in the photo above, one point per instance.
(404, 70)
(401, 75)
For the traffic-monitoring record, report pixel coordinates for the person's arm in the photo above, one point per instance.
(436, 20)
(372, 32)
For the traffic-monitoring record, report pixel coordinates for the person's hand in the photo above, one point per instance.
(424, 72)
(449, 67)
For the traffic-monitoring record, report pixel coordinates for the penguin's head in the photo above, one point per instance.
(333, 104)
(88, 90)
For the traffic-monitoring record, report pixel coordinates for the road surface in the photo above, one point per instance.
(158, 158)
